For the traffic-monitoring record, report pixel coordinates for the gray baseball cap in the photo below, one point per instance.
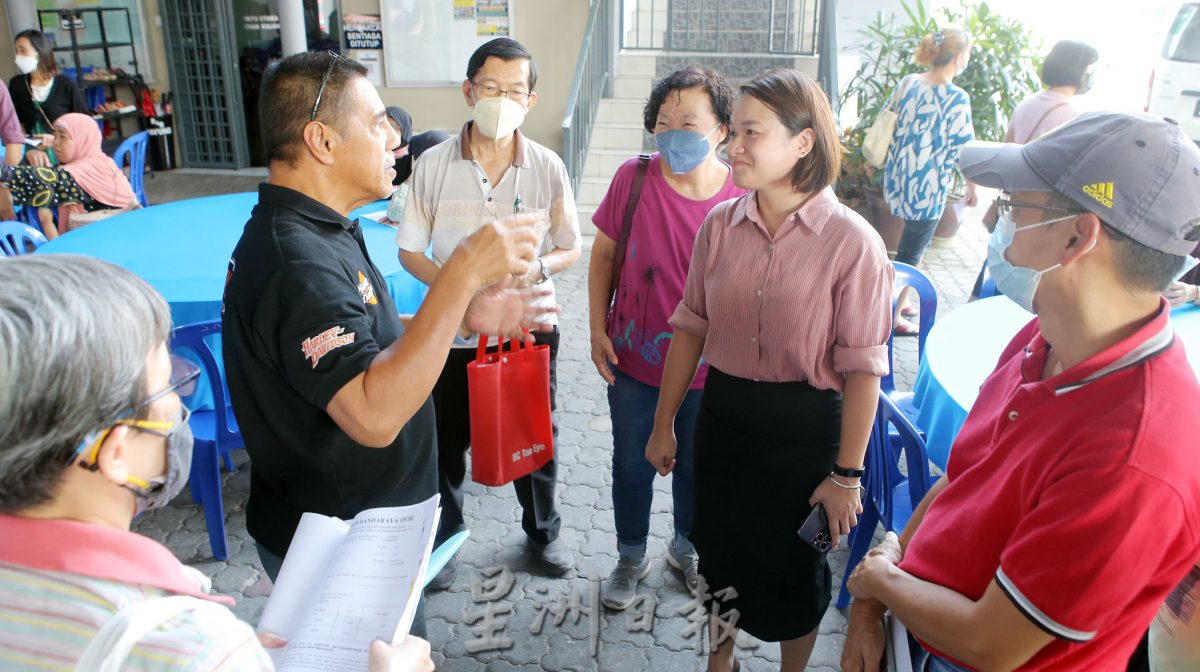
(1138, 173)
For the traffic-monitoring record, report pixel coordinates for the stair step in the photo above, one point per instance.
(605, 162)
(638, 65)
(626, 137)
(632, 86)
(620, 110)
(591, 192)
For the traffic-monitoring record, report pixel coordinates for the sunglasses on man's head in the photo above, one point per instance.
(333, 60)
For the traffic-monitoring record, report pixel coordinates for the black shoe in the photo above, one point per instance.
(554, 556)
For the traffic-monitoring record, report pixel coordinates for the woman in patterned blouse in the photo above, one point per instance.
(934, 121)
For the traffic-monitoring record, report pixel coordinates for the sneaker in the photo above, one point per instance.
(444, 578)
(688, 565)
(620, 588)
(554, 556)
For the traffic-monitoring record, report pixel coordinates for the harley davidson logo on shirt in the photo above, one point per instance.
(320, 345)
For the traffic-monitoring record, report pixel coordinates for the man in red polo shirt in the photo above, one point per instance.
(1071, 502)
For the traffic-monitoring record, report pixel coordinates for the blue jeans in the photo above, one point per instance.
(631, 404)
(914, 240)
(924, 661)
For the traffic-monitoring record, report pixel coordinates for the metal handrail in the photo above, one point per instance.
(593, 80)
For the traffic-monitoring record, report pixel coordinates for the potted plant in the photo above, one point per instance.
(1002, 72)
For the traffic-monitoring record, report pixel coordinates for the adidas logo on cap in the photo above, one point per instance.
(1102, 192)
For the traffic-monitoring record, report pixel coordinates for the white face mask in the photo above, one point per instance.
(27, 64)
(498, 117)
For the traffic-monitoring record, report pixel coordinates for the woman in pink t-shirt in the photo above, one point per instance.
(788, 299)
(689, 114)
(1067, 72)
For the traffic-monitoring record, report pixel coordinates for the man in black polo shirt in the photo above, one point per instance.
(333, 404)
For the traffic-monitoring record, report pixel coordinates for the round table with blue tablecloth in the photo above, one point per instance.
(962, 350)
(183, 249)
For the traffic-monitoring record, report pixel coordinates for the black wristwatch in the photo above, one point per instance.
(848, 473)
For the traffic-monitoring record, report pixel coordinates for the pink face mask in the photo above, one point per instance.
(401, 152)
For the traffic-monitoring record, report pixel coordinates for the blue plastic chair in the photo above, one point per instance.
(907, 276)
(216, 432)
(135, 148)
(29, 215)
(16, 238)
(890, 496)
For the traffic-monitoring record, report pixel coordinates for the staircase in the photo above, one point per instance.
(618, 133)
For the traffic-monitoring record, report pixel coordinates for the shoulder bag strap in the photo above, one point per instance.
(38, 106)
(111, 646)
(635, 193)
(901, 89)
(1034, 133)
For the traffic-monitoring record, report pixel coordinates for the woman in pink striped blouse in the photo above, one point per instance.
(787, 299)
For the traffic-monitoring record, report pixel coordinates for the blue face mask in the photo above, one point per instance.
(1016, 282)
(683, 150)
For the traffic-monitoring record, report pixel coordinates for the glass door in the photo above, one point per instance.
(256, 31)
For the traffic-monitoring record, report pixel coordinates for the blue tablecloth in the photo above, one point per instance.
(962, 350)
(183, 249)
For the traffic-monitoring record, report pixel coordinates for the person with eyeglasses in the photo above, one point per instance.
(93, 434)
(1069, 505)
(331, 391)
(492, 169)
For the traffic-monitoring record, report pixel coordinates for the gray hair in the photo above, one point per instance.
(74, 336)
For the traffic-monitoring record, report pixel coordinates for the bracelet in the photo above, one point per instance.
(844, 486)
(849, 473)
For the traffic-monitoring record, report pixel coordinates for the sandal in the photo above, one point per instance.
(904, 327)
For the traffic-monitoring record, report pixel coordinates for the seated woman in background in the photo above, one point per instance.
(85, 181)
(40, 93)
(411, 147)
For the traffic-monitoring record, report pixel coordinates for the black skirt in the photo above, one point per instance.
(760, 451)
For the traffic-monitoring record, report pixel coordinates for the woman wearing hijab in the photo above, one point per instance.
(85, 181)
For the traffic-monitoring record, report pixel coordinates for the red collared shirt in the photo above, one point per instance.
(810, 304)
(1078, 494)
(62, 580)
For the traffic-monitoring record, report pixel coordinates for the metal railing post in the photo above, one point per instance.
(592, 81)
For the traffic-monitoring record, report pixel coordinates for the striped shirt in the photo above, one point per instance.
(61, 581)
(451, 197)
(811, 304)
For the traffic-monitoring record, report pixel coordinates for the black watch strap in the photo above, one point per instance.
(848, 473)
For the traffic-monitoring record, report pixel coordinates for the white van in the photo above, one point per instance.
(1175, 83)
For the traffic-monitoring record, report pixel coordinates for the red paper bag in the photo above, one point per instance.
(511, 431)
